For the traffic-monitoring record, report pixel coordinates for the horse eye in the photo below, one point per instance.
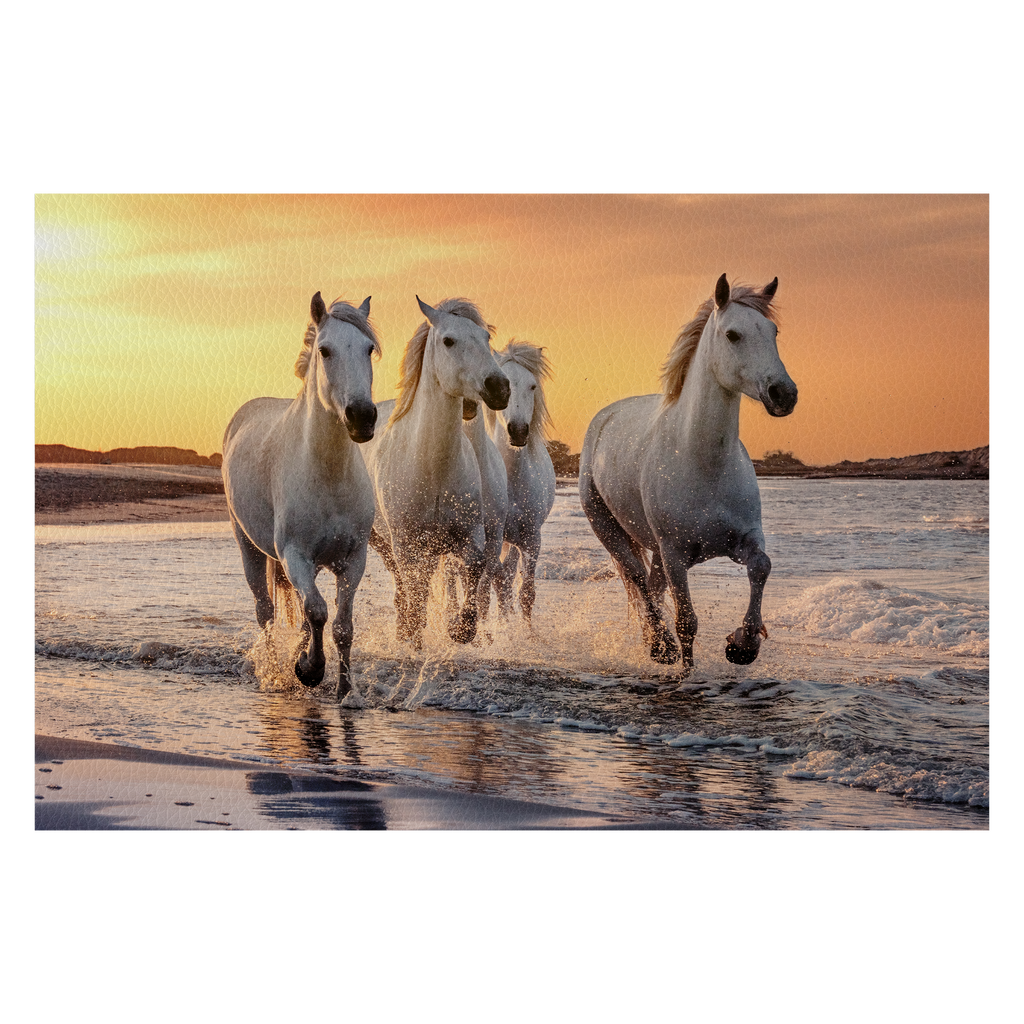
(448, 342)
(369, 351)
(325, 352)
(733, 335)
(533, 387)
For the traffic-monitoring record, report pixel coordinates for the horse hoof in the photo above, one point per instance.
(344, 688)
(744, 653)
(306, 675)
(741, 655)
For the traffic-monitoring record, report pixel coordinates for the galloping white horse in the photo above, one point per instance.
(520, 433)
(668, 474)
(425, 473)
(298, 493)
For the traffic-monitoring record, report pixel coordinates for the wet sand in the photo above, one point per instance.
(86, 786)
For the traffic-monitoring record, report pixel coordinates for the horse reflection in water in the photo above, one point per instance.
(666, 482)
(426, 477)
(297, 489)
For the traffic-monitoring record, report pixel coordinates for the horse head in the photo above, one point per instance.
(459, 352)
(525, 366)
(743, 346)
(341, 353)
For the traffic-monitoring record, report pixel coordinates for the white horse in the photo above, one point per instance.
(520, 433)
(425, 474)
(668, 474)
(298, 492)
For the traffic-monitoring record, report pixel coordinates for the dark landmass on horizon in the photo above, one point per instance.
(58, 491)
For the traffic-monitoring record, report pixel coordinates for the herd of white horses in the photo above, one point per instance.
(454, 475)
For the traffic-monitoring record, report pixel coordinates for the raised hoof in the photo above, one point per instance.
(307, 675)
(744, 653)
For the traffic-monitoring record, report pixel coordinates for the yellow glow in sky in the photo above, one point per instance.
(157, 316)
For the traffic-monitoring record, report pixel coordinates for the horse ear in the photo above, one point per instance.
(365, 307)
(428, 311)
(721, 292)
(317, 309)
(769, 290)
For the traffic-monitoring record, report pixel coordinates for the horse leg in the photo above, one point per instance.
(505, 577)
(348, 576)
(254, 565)
(412, 593)
(674, 569)
(626, 554)
(387, 555)
(744, 644)
(528, 590)
(462, 626)
(302, 575)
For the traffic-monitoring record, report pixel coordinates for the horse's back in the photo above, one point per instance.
(261, 412)
(616, 439)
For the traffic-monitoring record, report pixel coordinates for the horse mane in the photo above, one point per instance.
(532, 358)
(412, 359)
(340, 310)
(680, 355)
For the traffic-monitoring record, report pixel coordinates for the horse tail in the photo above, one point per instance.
(633, 595)
(282, 593)
(631, 560)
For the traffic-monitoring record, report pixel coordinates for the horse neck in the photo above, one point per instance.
(326, 440)
(435, 421)
(705, 419)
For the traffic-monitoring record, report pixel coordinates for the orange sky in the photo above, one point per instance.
(157, 316)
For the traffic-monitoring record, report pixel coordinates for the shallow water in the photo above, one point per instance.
(867, 708)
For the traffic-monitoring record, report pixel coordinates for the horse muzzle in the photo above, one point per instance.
(518, 432)
(496, 391)
(779, 399)
(360, 420)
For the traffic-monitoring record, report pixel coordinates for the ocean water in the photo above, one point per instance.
(867, 708)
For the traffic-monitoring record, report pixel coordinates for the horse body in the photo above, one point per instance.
(298, 493)
(668, 474)
(519, 433)
(425, 473)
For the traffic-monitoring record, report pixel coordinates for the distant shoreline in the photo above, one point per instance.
(146, 490)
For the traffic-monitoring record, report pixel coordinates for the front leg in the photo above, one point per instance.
(528, 589)
(301, 572)
(744, 644)
(504, 578)
(674, 569)
(462, 624)
(349, 575)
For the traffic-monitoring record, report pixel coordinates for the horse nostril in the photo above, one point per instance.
(497, 390)
(363, 415)
(783, 397)
(518, 433)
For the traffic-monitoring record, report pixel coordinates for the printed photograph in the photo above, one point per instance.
(517, 512)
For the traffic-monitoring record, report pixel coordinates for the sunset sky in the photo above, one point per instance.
(157, 316)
